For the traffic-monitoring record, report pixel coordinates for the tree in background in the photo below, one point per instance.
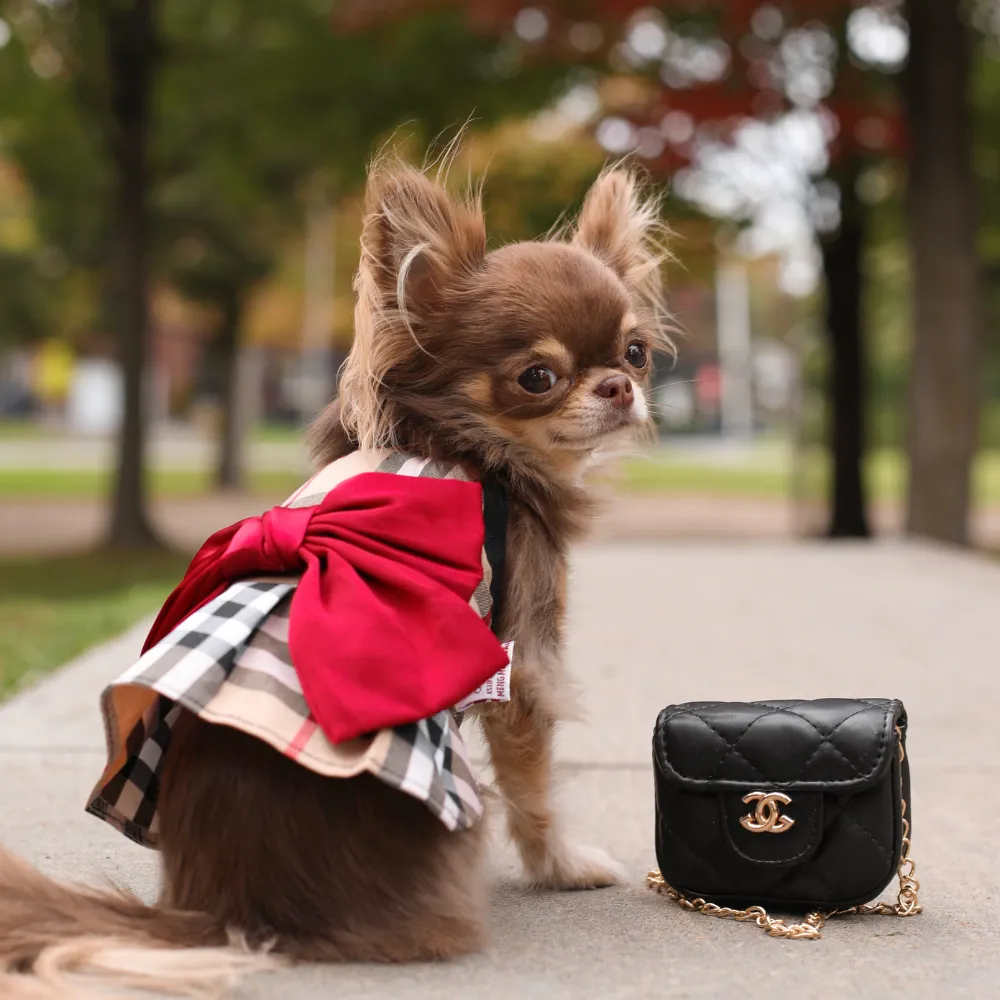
(226, 110)
(944, 394)
(254, 123)
(986, 160)
(945, 390)
(91, 66)
(26, 271)
(714, 67)
(127, 32)
(51, 283)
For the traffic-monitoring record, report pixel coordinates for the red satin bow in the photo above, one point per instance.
(380, 627)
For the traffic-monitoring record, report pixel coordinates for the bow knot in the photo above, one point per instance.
(273, 541)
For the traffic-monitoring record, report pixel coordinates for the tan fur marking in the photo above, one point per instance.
(478, 389)
(549, 347)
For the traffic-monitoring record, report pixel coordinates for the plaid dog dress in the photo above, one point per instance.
(230, 663)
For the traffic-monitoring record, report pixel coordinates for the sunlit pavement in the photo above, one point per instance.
(652, 624)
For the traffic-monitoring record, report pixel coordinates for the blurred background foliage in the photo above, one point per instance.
(771, 129)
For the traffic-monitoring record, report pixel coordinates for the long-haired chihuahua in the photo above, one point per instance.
(522, 363)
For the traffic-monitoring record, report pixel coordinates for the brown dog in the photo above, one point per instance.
(525, 362)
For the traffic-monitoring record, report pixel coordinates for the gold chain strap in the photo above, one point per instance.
(907, 901)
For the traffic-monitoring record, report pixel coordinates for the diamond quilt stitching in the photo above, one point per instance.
(789, 708)
(828, 739)
(732, 743)
(732, 749)
(665, 820)
(843, 814)
(777, 710)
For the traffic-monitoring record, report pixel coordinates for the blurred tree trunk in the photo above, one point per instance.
(943, 414)
(231, 471)
(130, 32)
(842, 269)
(317, 379)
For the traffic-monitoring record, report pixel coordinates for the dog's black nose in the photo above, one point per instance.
(617, 389)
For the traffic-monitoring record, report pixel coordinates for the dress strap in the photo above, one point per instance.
(495, 543)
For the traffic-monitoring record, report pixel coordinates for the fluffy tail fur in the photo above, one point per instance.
(54, 937)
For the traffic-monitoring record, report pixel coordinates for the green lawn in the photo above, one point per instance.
(77, 483)
(662, 472)
(665, 473)
(53, 609)
(668, 475)
(17, 429)
(22, 430)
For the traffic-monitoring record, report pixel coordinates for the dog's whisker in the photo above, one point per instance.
(665, 385)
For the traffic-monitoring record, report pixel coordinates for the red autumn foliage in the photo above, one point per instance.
(864, 113)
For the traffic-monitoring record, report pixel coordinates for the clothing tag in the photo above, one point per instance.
(496, 688)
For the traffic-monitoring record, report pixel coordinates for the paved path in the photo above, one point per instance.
(653, 624)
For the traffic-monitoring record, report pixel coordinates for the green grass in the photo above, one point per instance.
(886, 470)
(280, 432)
(664, 472)
(22, 430)
(41, 484)
(53, 609)
(657, 475)
(27, 429)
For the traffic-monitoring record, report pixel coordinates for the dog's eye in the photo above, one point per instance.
(537, 380)
(636, 355)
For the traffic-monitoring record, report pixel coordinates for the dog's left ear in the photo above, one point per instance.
(621, 225)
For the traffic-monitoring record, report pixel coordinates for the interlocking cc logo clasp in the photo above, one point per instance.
(767, 817)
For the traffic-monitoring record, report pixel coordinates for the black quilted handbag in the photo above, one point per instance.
(802, 806)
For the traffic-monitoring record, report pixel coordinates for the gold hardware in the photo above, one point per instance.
(767, 818)
(907, 899)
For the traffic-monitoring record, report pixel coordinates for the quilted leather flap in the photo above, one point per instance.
(841, 744)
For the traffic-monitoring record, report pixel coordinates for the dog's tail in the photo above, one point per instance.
(55, 937)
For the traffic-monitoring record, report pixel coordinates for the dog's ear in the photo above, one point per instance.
(417, 241)
(621, 225)
(417, 244)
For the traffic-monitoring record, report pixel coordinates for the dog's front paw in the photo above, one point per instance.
(575, 867)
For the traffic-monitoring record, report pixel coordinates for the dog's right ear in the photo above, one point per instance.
(417, 240)
(417, 243)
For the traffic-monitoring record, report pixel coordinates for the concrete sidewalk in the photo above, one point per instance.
(651, 625)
